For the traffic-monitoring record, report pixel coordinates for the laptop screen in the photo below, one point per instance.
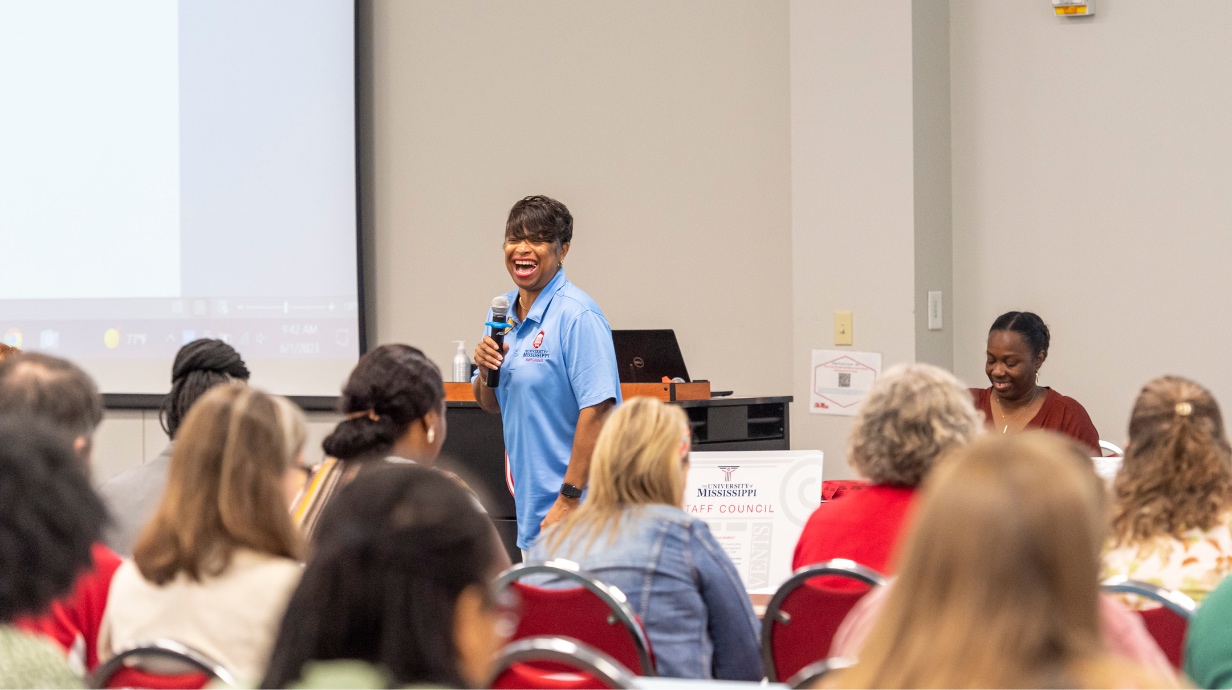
(646, 356)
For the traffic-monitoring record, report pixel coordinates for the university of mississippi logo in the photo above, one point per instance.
(727, 472)
(538, 341)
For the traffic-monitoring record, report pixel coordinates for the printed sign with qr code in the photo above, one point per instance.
(841, 379)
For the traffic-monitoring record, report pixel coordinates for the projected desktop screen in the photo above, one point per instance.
(178, 170)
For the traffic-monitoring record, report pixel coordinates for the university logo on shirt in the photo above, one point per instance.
(535, 353)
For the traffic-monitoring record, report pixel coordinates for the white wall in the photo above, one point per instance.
(1091, 162)
(852, 194)
(663, 126)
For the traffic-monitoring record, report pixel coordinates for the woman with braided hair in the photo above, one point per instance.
(1017, 347)
(394, 402)
(1172, 519)
(133, 495)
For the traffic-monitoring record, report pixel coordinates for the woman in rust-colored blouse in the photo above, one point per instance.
(1017, 348)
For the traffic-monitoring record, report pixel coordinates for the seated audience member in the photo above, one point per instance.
(216, 564)
(133, 495)
(61, 395)
(51, 519)
(1172, 512)
(632, 533)
(394, 402)
(397, 592)
(999, 581)
(912, 415)
(1208, 642)
(1017, 347)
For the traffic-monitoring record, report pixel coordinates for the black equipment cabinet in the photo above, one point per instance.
(475, 446)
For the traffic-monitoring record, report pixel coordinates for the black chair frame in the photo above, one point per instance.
(1180, 604)
(569, 652)
(165, 649)
(808, 676)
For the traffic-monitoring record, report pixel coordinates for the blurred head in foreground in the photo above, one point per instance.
(998, 585)
(52, 516)
(399, 579)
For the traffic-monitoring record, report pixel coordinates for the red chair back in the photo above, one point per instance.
(590, 612)
(131, 677)
(537, 675)
(1168, 628)
(578, 614)
(1166, 623)
(801, 619)
(124, 670)
(554, 663)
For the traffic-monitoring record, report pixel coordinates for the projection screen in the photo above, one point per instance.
(178, 170)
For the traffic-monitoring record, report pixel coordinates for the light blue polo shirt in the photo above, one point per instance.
(560, 360)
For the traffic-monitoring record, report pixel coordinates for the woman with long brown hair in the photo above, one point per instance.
(215, 566)
(999, 582)
(1172, 517)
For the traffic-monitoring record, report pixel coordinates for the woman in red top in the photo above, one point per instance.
(1017, 348)
(913, 414)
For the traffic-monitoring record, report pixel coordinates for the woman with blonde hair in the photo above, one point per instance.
(999, 582)
(631, 532)
(913, 414)
(1172, 516)
(215, 566)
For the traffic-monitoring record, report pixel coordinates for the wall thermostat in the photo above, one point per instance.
(1073, 8)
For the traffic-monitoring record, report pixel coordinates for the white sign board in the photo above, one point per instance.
(839, 380)
(756, 504)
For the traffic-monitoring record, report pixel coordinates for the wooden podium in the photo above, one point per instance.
(667, 392)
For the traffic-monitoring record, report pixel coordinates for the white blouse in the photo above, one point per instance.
(232, 618)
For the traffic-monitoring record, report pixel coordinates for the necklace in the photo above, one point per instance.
(1017, 415)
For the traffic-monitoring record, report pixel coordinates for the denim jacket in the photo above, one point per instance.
(681, 584)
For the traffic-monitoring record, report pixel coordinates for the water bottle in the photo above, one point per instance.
(461, 364)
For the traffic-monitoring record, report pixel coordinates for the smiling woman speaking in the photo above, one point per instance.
(1017, 348)
(558, 377)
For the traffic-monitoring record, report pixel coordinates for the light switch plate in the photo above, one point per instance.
(935, 316)
(842, 328)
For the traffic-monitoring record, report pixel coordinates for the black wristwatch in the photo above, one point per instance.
(570, 491)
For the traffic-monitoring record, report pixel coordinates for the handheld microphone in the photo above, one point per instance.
(500, 312)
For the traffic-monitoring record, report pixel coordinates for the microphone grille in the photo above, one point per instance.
(500, 307)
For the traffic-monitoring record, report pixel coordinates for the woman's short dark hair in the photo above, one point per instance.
(52, 515)
(540, 219)
(1028, 325)
(398, 384)
(199, 366)
(394, 551)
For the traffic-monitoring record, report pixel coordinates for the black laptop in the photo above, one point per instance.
(648, 356)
